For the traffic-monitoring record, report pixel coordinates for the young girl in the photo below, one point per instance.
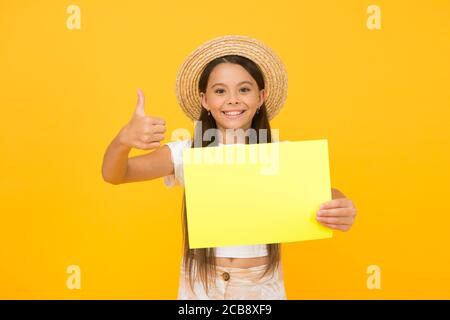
(231, 84)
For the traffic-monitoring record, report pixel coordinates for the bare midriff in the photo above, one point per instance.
(242, 262)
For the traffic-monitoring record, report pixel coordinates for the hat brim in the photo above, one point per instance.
(274, 72)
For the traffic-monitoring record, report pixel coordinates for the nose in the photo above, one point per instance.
(233, 99)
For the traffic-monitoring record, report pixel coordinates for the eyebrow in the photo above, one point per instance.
(223, 84)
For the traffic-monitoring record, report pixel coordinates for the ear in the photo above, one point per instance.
(203, 100)
(262, 96)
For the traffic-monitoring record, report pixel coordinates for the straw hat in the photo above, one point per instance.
(274, 72)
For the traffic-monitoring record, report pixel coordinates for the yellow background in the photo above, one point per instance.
(381, 98)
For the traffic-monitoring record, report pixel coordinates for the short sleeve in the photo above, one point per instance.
(176, 152)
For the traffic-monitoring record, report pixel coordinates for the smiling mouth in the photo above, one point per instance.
(233, 114)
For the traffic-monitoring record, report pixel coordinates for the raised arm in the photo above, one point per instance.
(142, 132)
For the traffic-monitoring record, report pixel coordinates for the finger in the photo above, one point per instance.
(158, 137)
(158, 128)
(339, 212)
(146, 146)
(337, 203)
(340, 220)
(336, 226)
(153, 138)
(160, 121)
(140, 104)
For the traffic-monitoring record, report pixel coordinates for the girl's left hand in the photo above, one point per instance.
(337, 214)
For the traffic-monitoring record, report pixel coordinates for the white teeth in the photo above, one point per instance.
(233, 113)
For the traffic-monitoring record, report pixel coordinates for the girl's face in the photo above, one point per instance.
(232, 96)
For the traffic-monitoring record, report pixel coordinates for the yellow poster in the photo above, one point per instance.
(244, 194)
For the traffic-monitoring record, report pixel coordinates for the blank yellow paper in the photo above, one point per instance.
(244, 194)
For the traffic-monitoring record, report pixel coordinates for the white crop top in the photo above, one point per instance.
(247, 251)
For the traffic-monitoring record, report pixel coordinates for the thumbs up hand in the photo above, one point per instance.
(142, 131)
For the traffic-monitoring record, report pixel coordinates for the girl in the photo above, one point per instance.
(231, 84)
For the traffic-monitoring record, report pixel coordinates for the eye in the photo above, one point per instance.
(246, 89)
(219, 91)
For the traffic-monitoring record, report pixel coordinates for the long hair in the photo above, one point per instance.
(201, 262)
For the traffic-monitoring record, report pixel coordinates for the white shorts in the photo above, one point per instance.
(236, 284)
